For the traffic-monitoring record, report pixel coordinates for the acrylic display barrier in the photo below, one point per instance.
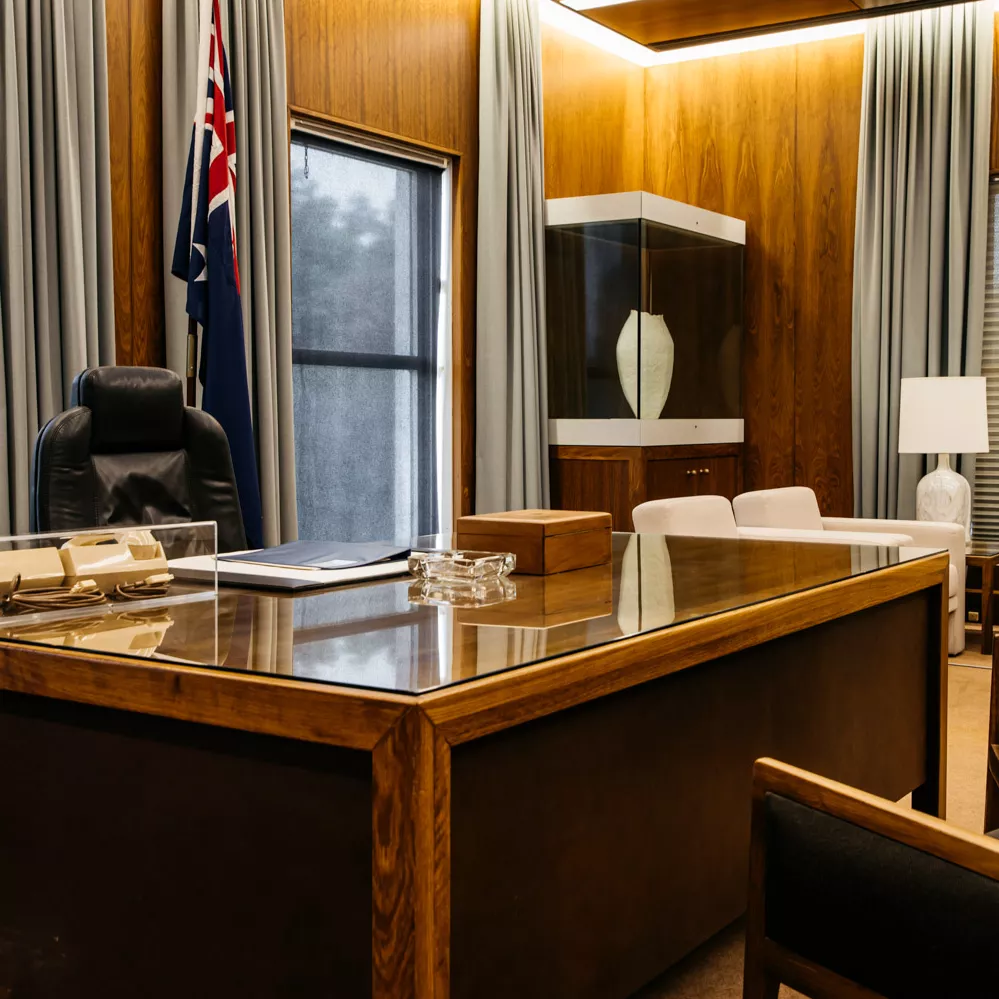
(644, 321)
(107, 590)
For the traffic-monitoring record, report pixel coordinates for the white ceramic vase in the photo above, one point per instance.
(657, 363)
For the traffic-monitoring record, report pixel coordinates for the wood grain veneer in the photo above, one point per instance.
(145, 86)
(120, 144)
(263, 704)
(617, 479)
(361, 718)
(594, 118)
(135, 60)
(828, 140)
(720, 134)
(410, 860)
(495, 702)
(543, 541)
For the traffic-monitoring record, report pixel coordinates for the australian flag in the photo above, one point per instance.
(205, 257)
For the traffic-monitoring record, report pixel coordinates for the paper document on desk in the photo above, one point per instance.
(320, 555)
(202, 569)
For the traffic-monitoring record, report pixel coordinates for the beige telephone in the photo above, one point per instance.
(39, 568)
(119, 557)
(109, 559)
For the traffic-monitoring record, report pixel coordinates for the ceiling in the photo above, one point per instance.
(668, 23)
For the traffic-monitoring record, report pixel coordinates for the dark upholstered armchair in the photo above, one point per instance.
(130, 452)
(851, 895)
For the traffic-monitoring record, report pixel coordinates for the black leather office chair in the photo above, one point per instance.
(130, 452)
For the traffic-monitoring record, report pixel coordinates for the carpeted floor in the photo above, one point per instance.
(714, 971)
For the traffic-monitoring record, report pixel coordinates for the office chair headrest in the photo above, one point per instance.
(132, 409)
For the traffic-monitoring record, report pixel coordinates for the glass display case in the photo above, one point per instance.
(645, 321)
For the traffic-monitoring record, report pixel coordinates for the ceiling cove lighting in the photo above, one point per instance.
(567, 20)
(591, 4)
(564, 19)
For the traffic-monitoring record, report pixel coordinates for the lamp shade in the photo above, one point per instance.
(943, 416)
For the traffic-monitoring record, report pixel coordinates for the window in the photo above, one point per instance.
(985, 506)
(370, 338)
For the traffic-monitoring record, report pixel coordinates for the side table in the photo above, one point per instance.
(985, 556)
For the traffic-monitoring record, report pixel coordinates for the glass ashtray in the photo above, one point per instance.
(467, 593)
(457, 566)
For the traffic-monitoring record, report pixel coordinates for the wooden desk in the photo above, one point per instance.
(489, 810)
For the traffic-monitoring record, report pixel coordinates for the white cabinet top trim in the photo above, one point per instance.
(642, 205)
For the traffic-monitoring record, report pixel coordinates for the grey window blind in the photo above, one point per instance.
(985, 506)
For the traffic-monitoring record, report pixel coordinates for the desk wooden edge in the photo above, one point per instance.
(358, 719)
(481, 707)
(266, 705)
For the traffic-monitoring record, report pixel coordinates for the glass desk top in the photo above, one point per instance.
(374, 636)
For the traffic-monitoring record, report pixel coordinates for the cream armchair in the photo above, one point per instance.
(712, 517)
(795, 508)
(699, 516)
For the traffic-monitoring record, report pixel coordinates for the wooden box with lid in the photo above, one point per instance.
(544, 541)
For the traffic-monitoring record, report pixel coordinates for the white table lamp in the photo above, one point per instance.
(944, 416)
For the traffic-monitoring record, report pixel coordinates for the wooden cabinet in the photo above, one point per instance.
(709, 476)
(617, 479)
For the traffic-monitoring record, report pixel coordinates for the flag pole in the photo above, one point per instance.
(192, 361)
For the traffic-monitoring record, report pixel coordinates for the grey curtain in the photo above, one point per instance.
(255, 44)
(511, 430)
(56, 281)
(919, 261)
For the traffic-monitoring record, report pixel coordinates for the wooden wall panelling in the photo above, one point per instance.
(120, 135)
(828, 129)
(720, 133)
(594, 111)
(135, 57)
(411, 70)
(148, 341)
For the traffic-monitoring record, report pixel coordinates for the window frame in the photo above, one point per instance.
(381, 148)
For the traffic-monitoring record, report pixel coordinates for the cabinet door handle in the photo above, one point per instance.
(705, 471)
(692, 471)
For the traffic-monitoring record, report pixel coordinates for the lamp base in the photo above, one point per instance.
(944, 495)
